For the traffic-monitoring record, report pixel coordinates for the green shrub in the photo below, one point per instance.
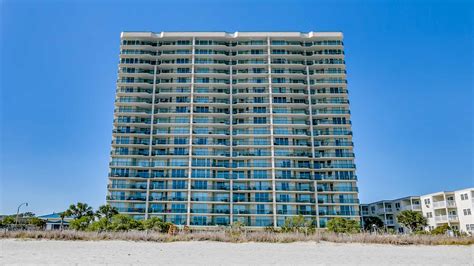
(122, 222)
(441, 230)
(80, 224)
(102, 224)
(8, 220)
(343, 225)
(37, 222)
(156, 224)
(297, 224)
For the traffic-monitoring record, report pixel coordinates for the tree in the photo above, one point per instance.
(107, 212)
(62, 215)
(412, 220)
(343, 225)
(372, 222)
(27, 214)
(79, 210)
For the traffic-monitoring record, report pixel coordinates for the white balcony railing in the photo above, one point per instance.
(444, 204)
(411, 207)
(445, 218)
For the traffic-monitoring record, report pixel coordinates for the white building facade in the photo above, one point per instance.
(212, 128)
(453, 208)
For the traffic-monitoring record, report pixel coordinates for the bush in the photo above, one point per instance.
(102, 224)
(121, 222)
(37, 222)
(343, 225)
(441, 230)
(8, 220)
(157, 225)
(297, 224)
(80, 224)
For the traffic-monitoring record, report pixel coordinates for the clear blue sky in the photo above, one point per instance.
(410, 68)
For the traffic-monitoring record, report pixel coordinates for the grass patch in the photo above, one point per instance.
(242, 236)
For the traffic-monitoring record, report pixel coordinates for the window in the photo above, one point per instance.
(258, 100)
(259, 174)
(469, 227)
(181, 109)
(467, 211)
(180, 141)
(178, 173)
(200, 185)
(259, 109)
(179, 184)
(427, 201)
(180, 151)
(259, 120)
(262, 197)
(281, 141)
(201, 173)
(429, 215)
(464, 196)
(260, 209)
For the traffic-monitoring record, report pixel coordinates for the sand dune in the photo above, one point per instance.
(216, 253)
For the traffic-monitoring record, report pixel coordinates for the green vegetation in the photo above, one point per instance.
(8, 220)
(37, 222)
(25, 220)
(412, 220)
(107, 223)
(298, 224)
(372, 222)
(343, 225)
(441, 230)
(79, 210)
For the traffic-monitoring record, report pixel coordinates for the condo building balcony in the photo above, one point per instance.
(444, 204)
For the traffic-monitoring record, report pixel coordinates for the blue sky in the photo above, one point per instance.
(410, 67)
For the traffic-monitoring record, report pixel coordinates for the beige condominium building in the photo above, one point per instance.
(211, 128)
(452, 208)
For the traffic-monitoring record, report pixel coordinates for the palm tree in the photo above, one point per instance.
(62, 215)
(79, 210)
(106, 211)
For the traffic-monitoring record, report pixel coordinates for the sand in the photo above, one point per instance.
(13, 251)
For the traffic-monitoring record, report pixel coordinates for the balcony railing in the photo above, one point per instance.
(445, 218)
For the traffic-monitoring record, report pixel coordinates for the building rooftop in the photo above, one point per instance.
(223, 34)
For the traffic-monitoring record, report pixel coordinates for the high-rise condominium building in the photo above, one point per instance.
(211, 128)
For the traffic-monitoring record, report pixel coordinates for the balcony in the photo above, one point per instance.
(444, 204)
(446, 218)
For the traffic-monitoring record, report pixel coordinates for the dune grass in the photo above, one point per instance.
(242, 236)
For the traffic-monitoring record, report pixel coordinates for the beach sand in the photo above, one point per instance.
(15, 251)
